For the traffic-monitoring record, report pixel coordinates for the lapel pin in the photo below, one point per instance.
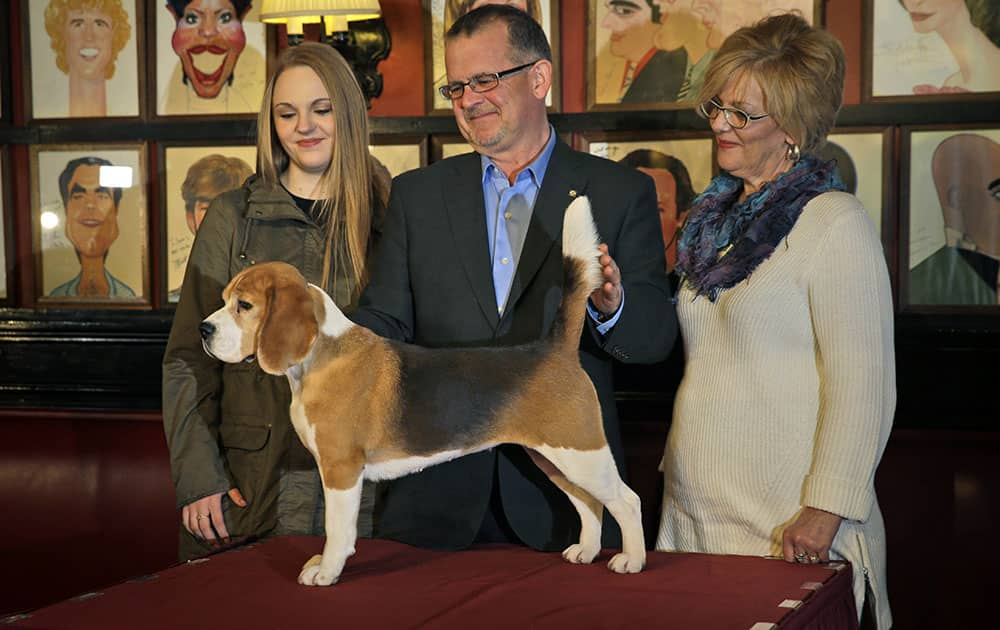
(572, 193)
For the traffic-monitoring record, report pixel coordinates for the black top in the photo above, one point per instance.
(305, 205)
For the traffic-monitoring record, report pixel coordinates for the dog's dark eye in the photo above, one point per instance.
(243, 306)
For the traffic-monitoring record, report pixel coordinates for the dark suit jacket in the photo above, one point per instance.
(660, 79)
(431, 284)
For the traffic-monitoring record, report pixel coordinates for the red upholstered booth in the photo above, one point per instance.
(391, 585)
(87, 502)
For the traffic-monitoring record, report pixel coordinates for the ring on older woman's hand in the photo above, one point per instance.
(813, 558)
(799, 557)
(201, 516)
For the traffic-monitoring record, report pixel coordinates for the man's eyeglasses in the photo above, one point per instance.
(480, 82)
(737, 118)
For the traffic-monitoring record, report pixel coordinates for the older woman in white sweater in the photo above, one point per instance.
(786, 314)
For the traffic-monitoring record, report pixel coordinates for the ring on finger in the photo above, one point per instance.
(813, 558)
(801, 556)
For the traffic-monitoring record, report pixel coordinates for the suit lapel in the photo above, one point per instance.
(561, 185)
(463, 195)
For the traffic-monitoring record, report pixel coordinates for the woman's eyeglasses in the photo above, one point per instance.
(737, 118)
(480, 83)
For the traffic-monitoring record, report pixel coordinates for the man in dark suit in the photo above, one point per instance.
(469, 256)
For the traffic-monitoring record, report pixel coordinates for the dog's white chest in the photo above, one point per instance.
(305, 431)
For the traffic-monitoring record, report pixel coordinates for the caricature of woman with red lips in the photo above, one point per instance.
(208, 40)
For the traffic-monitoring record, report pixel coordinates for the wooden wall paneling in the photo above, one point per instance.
(82, 359)
(940, 497)
(403, 69)
(7, 294)
(6, 101)
(157, 227)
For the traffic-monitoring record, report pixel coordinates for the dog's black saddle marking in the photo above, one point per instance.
(451, 395)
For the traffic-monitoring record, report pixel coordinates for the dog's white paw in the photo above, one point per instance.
(625, 563)
(312, 573)
(579, 554)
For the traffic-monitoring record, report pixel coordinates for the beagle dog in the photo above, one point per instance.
(365, 406)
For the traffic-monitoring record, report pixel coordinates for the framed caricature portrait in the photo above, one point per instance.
(950, 183)
(920, 50)
(448, 145)
(4, 63)
(89, 224)
(4, 230)
(439, 15)
(399, 154)
(211, 57)
(83, 59)
(680, 163)
(191, 177)
(654, 53)
(864, 161)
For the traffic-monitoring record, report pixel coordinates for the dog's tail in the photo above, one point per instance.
(581, 273)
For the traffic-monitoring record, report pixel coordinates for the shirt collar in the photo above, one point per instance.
(536, 169)
(641, 64)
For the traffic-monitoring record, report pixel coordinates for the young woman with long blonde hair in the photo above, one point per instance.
(315, 202)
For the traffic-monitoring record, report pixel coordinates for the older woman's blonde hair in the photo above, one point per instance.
(55, 22)
(800, 70)
(350, 193)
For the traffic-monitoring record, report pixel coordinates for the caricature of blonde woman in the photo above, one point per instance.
(86, 37)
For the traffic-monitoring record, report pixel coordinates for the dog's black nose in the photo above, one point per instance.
(206, 330)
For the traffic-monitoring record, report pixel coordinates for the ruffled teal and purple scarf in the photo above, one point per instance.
(753, 227)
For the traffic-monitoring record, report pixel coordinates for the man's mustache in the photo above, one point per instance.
(478, 110)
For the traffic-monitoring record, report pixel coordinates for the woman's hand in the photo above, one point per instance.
(203, 518)
(809, 538)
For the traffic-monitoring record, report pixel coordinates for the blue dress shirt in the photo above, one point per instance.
(508, 215)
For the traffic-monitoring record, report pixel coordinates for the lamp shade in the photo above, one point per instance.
(334, 13)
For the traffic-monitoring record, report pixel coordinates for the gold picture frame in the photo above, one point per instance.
(641, 53)
(949, 255)
(446, 145)
(90, 223)
(6, 253)
(438, 17)
(219, 73)
(191, 175)
(864, 160)
(399, 153)
(681, 164)
(931, 54)
(102, 78)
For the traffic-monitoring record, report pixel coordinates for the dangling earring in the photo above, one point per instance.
(793, 154)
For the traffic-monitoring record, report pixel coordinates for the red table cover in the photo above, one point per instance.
(392, 585)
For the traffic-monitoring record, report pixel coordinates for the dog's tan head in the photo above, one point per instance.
(270, 312)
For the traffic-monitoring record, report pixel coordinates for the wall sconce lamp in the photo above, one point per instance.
(354, 27)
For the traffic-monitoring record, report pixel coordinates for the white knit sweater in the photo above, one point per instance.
(787, 399)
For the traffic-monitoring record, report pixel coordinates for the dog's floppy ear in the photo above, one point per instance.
(289, 327)
(319, 304)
